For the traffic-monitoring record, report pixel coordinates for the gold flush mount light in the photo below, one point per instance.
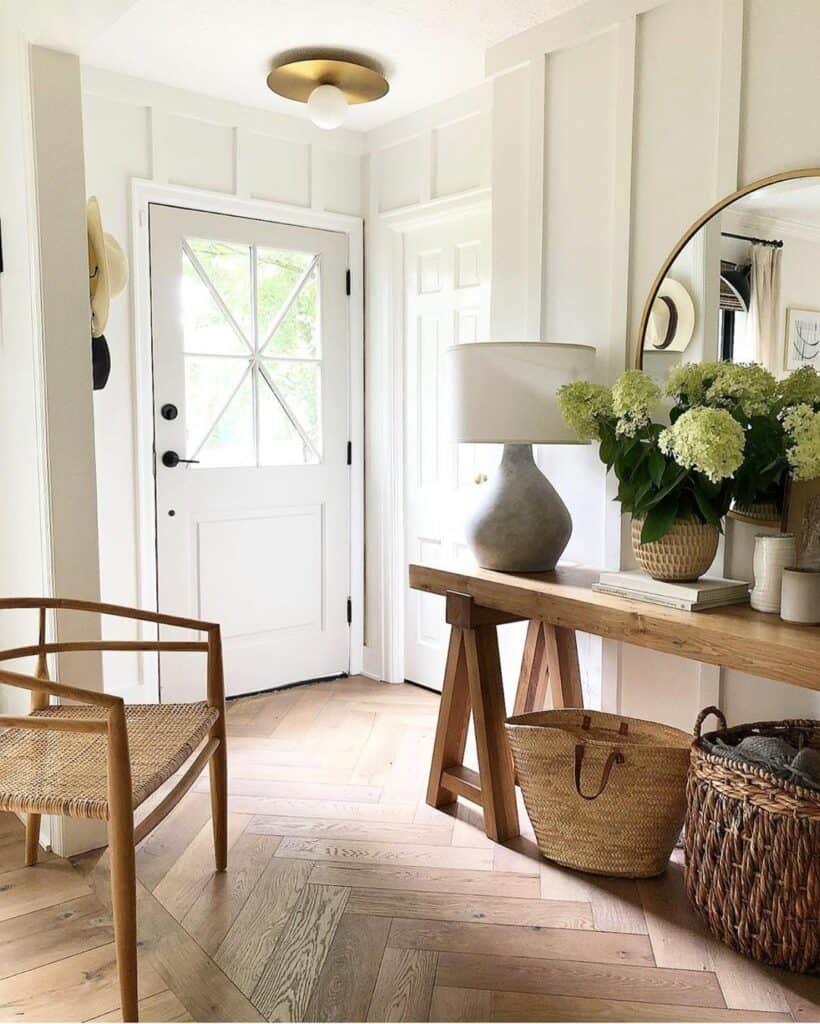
(327, 86)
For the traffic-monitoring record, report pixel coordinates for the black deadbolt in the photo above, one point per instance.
(169, 411)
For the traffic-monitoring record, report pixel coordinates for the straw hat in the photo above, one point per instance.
(107, 268)
(672, 320)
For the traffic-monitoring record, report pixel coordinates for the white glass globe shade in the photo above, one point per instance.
(327, 106)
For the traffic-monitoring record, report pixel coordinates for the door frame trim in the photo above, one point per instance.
(144, 193)
(394, 225)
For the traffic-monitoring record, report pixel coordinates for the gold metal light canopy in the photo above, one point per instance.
(297, 79)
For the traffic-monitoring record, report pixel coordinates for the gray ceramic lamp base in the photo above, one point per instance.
(521, 524)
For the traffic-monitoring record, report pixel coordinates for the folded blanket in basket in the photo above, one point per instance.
(784, 761)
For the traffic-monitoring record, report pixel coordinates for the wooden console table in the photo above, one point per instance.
(556, 604)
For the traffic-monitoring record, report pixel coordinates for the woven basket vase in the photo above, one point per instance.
(753, 849)
(604, 793)
(685, 553)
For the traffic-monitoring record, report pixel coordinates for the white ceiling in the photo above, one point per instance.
(796, 201)
(430, 49)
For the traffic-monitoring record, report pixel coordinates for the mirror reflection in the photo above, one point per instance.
(746, 287)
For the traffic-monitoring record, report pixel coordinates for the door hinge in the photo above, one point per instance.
(350, 453)
(347, 282)
(349, 611)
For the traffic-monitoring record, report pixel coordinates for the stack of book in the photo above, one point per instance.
(697, 596)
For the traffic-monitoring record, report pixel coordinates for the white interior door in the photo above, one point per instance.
(251, 384)
(446, 303)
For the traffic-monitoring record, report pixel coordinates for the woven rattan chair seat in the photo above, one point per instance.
(66, 772)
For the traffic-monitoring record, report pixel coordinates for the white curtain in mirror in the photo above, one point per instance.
(763, 314)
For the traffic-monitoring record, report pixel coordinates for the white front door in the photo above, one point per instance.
(251, 386)
(446, 302)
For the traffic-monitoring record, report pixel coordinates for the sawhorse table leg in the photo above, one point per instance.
(472, 683)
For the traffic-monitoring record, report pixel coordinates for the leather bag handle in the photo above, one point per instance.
(586, 725)
(615, 757)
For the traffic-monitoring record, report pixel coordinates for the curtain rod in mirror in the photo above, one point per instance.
(775, 243)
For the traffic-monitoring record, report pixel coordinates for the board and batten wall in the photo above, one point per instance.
(641, 114)
(144, 130)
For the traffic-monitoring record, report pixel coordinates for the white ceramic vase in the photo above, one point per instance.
(772, 555)
(800, 601)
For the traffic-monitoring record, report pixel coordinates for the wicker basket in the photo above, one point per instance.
(605, 794)
(753, 849)
(684, 553)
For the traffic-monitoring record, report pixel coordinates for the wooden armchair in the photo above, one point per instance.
(101, 758)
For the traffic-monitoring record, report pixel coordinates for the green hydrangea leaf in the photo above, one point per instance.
(657, 465)
(659, 520)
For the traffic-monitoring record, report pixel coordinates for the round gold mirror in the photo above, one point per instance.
(743, 282)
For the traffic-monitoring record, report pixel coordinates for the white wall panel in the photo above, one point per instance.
(675, 148)
(117, 148)
(460, 156)
(781, 83)
(513, 277)
(579, 159)
(401, 174)
(675, 163)
(275, 170)
(339, 178)
(199, 154)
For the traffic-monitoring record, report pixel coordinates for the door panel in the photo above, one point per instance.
(446, 303)
(250, 339)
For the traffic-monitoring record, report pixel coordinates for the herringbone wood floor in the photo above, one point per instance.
(347, 898)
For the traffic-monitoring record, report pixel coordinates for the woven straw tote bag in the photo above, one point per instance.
(752, 848)
(605, 793)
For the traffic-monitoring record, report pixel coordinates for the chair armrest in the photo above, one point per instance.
(54, 724)
(78, 693)
(100, 608)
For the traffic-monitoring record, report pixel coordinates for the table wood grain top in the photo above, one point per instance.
(735, 636)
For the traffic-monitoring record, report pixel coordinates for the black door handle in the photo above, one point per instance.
(171, 459)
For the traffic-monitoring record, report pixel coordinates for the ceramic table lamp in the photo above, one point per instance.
(504, 392)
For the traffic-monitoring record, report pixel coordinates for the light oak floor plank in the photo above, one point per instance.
(494, 910)
(158, 853)
(345, 986)
(205, 991)
(44, 936)
(284, 989)
(518, 940)
(344, 810)
(181, 886)
(249, 943)
(404, 988)
(520, 1006)
(616, 903)
(74, 988)
(408, 854)
(302, 790)
(44, 885)
(461, 1004)
(434, 880)
(676, 939)
(224, 894)
(162, 1007)
(569, 978)
(364, 831)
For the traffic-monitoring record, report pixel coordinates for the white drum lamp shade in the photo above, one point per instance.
(505, 392)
